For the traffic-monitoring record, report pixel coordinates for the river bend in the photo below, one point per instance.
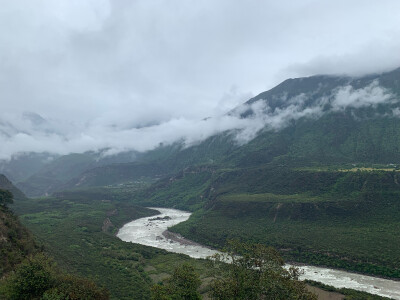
(152, 231)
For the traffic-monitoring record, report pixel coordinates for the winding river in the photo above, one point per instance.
(152, 231)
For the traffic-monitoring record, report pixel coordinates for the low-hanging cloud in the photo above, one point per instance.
(121, 74)
(31, 133)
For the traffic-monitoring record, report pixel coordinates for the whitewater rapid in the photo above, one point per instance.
(152, 231)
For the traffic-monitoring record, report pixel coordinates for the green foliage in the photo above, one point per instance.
(182, 285)
(72, 229)
(76, 232)
(16, 241)
(255, 272)
(71, 287)
(368, 244)
(30, 279)
(6, 197)
(358, 210)
(184, 190)
(264, 191)
(38, 278)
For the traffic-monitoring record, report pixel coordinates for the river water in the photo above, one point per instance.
(152, 231)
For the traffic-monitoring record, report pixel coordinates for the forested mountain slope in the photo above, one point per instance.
(304, 121)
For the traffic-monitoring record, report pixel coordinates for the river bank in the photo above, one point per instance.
(153, 232)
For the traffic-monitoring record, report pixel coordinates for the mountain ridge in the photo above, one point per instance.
(298, 114)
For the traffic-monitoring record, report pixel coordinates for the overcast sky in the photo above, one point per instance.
(147, 71)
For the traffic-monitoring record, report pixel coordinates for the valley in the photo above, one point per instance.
(187, 150)
(323, 189)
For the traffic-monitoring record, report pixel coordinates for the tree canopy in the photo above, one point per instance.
(242, 271)
(182, 285)
(255, 271)
(39, 278)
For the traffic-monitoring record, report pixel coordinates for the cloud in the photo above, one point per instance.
(130, 74)
(373, 57)
(31, 133)
(371, 95)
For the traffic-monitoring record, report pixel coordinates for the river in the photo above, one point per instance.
(152, 231)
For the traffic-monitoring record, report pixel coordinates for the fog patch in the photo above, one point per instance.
(372, 95)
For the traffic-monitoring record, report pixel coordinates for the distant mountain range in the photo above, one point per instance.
(317, 120)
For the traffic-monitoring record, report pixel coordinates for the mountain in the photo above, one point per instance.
(320, 181)
(58, 171)
(313, 120)
(6, 184)
(156, 164)
(314, 173)
(304, 121)
(21, 167)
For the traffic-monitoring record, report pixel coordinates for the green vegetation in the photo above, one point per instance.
(183, 284)
(255, 272)
(6, 197)
(26, 273)
(75, 233)
(358, 211)
(367, 247)
(323, 191)
(16, 241)
(38, 278)
(77, 229)
(183, 191)
(269, 197)
(242, 271)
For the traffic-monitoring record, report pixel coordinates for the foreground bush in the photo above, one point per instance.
(255, 271)
(182, 285)
(242, 271)
(38, 278)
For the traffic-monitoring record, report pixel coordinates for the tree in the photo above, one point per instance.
(6, 197)
(255, 271)
(72, 287)
(31, 278)
(39, 278)
(182, 285)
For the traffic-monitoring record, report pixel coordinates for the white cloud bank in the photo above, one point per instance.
(95, 70)
(31, 133)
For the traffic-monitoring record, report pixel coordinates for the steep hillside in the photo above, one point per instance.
(336, 138)
(313, 120)
(302, 121)
(16, 242)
